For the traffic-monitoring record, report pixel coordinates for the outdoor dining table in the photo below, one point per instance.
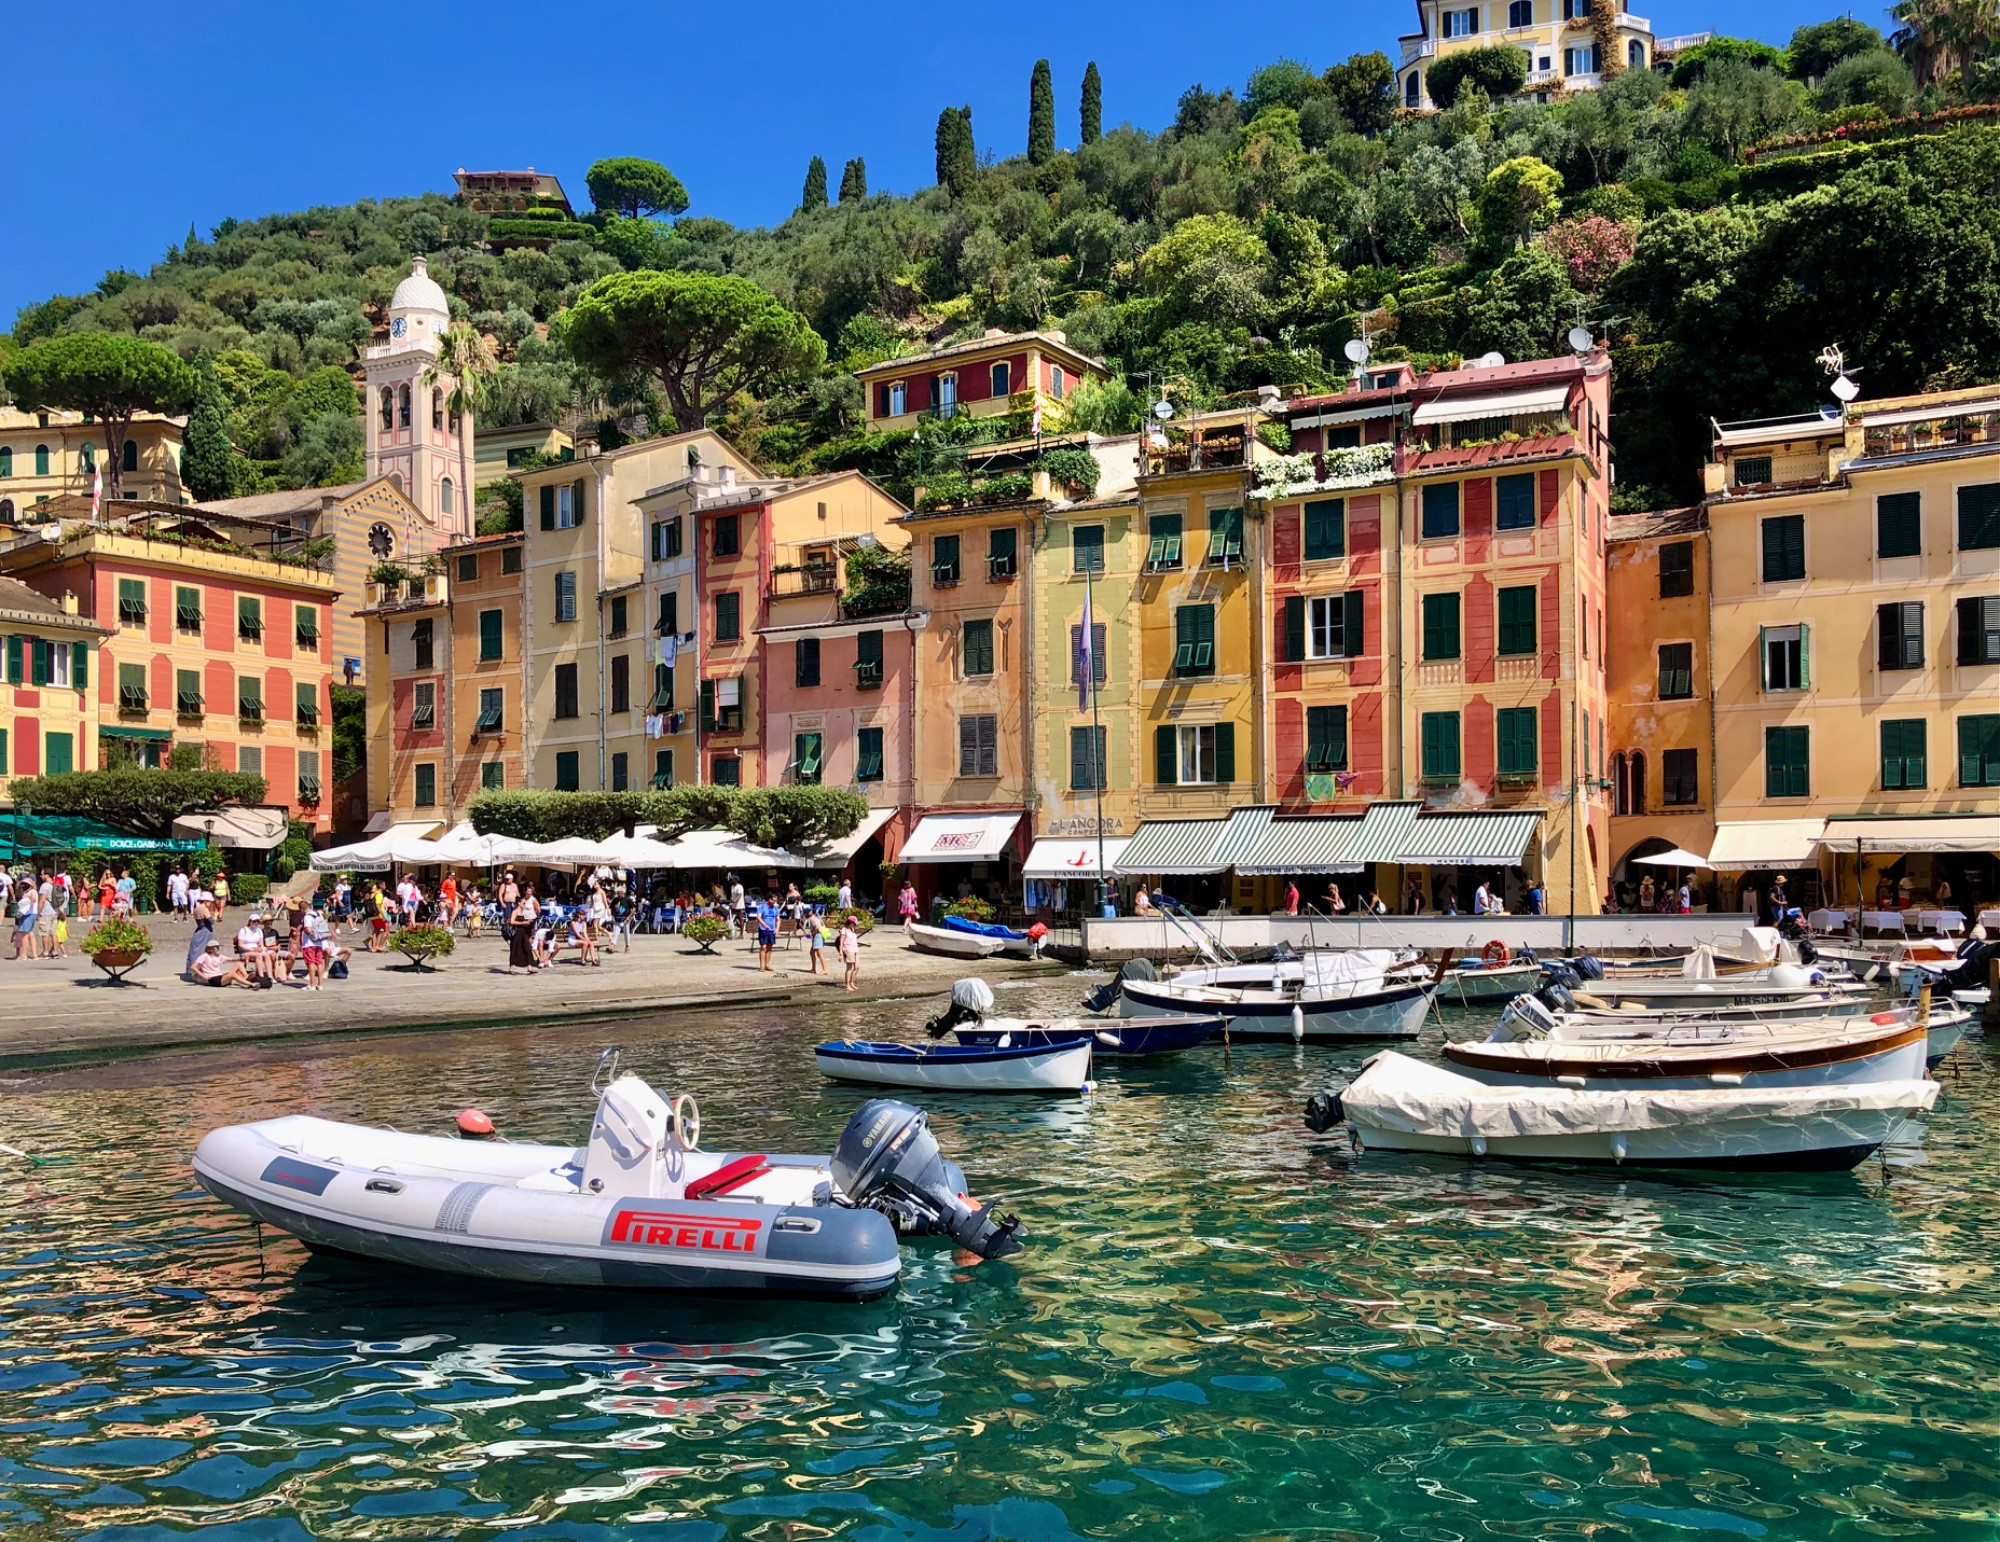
(1885, 921)
(1990, 919)
(1942, 920)
(1829, 920)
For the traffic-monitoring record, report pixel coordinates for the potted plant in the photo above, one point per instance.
(118, 946)
(864, 923)
(420, 943)
(706, 932)
(972, 908)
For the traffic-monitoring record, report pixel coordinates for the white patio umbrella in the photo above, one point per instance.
(725, 848)
(1674, 858)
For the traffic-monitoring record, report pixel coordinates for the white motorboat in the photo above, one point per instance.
(1475, 982)
(1400, 1104)
(935, 939)
(639, 1206)
(1369, 993)
(1786, 983)
(1031, 1067)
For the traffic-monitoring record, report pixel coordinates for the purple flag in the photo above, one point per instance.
(1086, 664)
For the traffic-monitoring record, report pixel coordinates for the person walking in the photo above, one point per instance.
(1291, 897)
(767, 932)
(318, 939)
(850, 951)
(177, 893)
(378, 919)
(906, 905)
(846, 899)
(202, 907)
(220, 890)
(815, 944)
(24, 920)
(738, 911)
(520, 933)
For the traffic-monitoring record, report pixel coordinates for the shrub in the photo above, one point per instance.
(972, 908)
(1498, 71)
(820, 893)
(248, 888)
(418, 943)
(1073, 466)
(117, 935)
(706, 931)
(864, 923)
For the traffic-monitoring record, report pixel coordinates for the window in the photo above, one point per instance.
(402, 406)
(1517, 621)
(807, 756)
(1787, 754)
(1979, 517)
(979, 745)
(976, 648)
(621, 682)
(423, 641)
(305, 628)
(1194, 640)
(131, 602)
(568, 778)
(1326, 529)
(947, 395)
(565, 596)
(1784, 548)
(250, 698)
(1899, 630)
(663, 768)
(1520, 13)
(1001, 378)
(6, 461)
(728, 535)
(1086, 760)
(868, 661)
(468, 567)
(722, 706)
(1163, 542)
(250, 759)
(944, 560)
(490, 645)
(1979, 629)
(1441, 639)
(726, 771)
(1326, 739)
(1786, 660)
(1676, 671)
(1520, 743)
(187, 609)
(1677, 779)
(1461, 23)
(1194, 754)
(1899, 525)
(1440, 747)
(1635, 55)
(1225, 537)
(663, 688)
(88, 456)
(510, 559)
(1086, 549)
(1514, 501)
(305, 703)
(41, 460)
(666, 538)
(426, 792)
(423, 705)
(621, 771)
(1057, 382)
(1580, 61)
(1979, 751)
(1413, 87)
(898, 399)
(1676, 569)
(620, 618)
(728, 617)
(805, 661)
(1904, 754)
(437, 408)
(1002, 552)
(668, 623)
(566, 700)
(1100, 666)
(1440, 515)
(388, 409)
(493, 775)
(444, 497)
(868, 755)
(308, 777)
(187, 692)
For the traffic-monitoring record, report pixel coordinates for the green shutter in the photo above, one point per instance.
(1979, 751)
(1517, 734)
(1295, 626)
(39, 661)
(1805, 657)
(576, 500)
(708, 706)
(1225, 752)
(79, 665)
(1352, 634)
(1166, 755)
(549, 507)
(14, 658)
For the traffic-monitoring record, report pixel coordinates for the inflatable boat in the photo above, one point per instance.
(640, 1206)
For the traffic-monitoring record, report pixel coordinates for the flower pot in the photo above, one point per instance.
(118, 962)
(421, 958)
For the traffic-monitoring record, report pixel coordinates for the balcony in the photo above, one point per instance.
(250, 714)
(308, 792)
(132, 699)
(1211, 453)
(805, 578)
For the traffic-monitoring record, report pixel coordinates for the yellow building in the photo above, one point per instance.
(51, 655)
(1558, 36)
(998, 373)
(497, 451)
(44, 455)
(1856, 623)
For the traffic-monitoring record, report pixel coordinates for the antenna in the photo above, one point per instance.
(1581, 339)
(1356, 350)
(1489, 360)
(1844, 386)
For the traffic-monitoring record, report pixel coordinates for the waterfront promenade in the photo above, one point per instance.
(54, 1010)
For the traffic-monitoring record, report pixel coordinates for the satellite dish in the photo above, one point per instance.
(1580, 340)
(1163, 409)
(1356, 351)
(1489, 361)
(1845, 387)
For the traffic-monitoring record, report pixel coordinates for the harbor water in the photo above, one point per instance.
(1223, 1326)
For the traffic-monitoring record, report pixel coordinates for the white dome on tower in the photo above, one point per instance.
(420, 292)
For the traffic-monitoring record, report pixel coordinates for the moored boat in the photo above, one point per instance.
(1107, 1035)
(1061, 1067)
(954, 944)
(1476, 982)
(1370, 993)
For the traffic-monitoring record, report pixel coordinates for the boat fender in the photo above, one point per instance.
(1479, 1145)
(1323, 1111)
(1298, 1022)
(1495, 954)
(474, 1125)
(1087, 1088)
(1618, 1148)
(1108, 1040)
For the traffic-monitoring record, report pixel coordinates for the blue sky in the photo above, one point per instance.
(139, 121)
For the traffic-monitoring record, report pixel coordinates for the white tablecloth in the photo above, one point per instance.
(1829, 920)
(1942, 920)
(1884, 921)
(1990, 919)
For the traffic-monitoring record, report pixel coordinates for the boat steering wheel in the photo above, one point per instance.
(684, 1121)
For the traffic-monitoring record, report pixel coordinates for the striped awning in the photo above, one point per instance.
(1313, 845)
(1384, 832)
(1173, 848)
(1913, 832)
(1484, 839)
(1243, 834)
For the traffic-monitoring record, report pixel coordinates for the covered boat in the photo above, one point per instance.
(1400, 1104)
(958, 937)
(1368, 993)
(640, 1206)
(1060, 1067)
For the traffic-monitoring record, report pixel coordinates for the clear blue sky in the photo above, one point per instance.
(131, 122)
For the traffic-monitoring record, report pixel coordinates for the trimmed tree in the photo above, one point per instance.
(957, 154)
(701, 337)
(1498, 71)
(1041, 115)
(1092, 113)
(108, 376)
(208, 468)
(635, 188)
(814, 196)
(854, 181)
(146, 802)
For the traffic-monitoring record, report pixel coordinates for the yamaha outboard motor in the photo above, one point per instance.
(887, 1160)
(1587, 968)
(1555, 994)
(1561, 974)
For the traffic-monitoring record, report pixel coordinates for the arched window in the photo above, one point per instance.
(1635, 54)
(1637, 774)
(402, 406)
(6, 461)
(454, 425)
(1618, 784)
(1413, 88)
(6, 511)
(130, 459)
(41, 460)
(88, 455)
(388, 409)
(437, 409)
(444, 497)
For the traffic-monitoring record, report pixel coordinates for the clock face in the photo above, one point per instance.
(398, 327)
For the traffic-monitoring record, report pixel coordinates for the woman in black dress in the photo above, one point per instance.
(521, 939)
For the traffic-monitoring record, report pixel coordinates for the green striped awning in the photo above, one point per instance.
(1173, 848)
(1243, 834)
(1486, 839)
(111, 731)
(1314, 845)
(1385, 830)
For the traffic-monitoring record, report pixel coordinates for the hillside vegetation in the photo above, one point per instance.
(1720, 225)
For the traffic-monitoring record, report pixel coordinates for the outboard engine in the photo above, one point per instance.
(1284, 953)
(1324, 1111)
(1555, 995)
(1561, 974)
(887, 1160)
(1103, 997)
(1588, 968)
(971, 1000)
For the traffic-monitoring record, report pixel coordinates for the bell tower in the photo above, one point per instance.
(413, 436)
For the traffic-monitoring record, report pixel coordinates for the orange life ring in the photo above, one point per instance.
(1495, 954)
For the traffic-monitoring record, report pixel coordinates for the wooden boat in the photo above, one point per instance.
(1061, 1067)
(1370, 993)
(1786, 983)
(1108, 1035)
(1829, 1052)
(1400, 1104)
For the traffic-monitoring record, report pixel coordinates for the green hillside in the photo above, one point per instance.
(1720, 225)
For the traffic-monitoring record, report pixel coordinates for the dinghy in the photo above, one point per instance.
(640, 1206)
(1369, 993)
(1483, 979)
(970, 1018)
(1400, 1104)
(1063, 1067)
(956, 937)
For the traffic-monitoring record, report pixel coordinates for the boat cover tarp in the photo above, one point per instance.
(1395, 1092)
(991, 929)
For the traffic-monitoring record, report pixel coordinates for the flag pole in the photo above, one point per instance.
(1098, 747)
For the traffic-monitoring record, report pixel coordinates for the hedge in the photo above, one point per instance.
(769, 816)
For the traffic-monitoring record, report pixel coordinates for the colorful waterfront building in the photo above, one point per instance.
(1855, 612)
(47, 454)
(51, 657)
(497, 451)
(999, 373)
(1564, 46)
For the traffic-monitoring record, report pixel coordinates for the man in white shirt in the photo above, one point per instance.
(252, 950)
(846, 899)
(1482, 900)
(177, 892)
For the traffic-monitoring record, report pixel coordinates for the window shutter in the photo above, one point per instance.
(1351, 630)
(1969, 641)
(79, 665)
(1969, 759)
(989, 745)
(14, 658)
(1225, 752)
(576, 500)
(1888, 636)
(39, 661)
(708, 705)
(1166, 756)
(1764, 657)
(1805, 657)
(1295, 626)
(549, 507)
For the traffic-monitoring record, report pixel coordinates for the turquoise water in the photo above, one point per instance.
(1223, 1327)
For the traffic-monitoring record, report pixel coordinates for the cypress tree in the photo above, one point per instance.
(957, 155)
(1041, 116)
(1093, 104)
(207, 465)
(854, 181)
(814, 196)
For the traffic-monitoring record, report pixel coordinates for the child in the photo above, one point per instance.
(850, 951)
(815, 946)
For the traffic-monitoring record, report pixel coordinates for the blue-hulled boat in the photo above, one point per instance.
(1063, 1067)
(1109, 1035)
